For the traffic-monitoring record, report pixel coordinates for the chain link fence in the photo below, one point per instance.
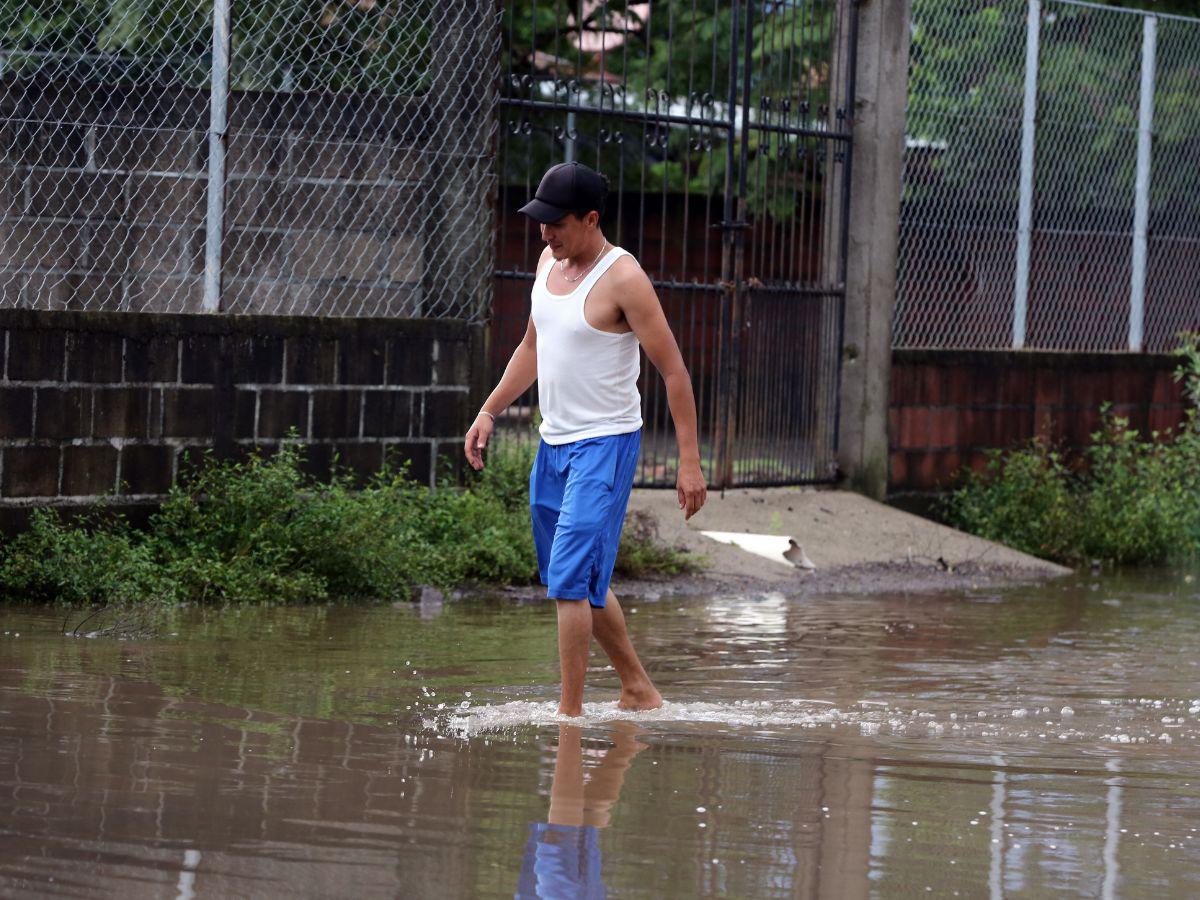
(270, 157)
(1051, 188)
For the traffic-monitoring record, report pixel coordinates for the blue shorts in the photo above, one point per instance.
(578, 493)
(561, 861)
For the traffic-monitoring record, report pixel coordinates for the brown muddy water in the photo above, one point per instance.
(1030, 742)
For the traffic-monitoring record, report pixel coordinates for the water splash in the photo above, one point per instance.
(742, 713)
(1094, 724)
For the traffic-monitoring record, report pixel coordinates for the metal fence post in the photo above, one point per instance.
(1141, 198)
(215, 217)
(726, 372)
(737, 229)
(1025, 207)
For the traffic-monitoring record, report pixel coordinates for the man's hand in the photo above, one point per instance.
(690, 488)
(477, 440)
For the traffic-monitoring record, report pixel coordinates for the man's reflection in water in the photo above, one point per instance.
(562, 855)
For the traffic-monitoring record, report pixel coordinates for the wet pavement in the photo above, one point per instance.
(1029, 742)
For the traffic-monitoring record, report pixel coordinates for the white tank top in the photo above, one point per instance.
(587, 378)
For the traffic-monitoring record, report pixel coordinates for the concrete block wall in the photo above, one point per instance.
(331, 208)
(104, 406)
(948, 407)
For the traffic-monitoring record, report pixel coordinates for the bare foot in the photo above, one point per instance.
(646, 697)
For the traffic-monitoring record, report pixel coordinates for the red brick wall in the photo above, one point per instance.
(948, 407)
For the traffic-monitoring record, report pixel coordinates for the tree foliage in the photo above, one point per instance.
(676, 56)
(965, 103)
(358, 45)
(672, 57)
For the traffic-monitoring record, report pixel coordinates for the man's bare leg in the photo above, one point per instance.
(574, 802)
(574, 641)
(608, 625)
(603, 790)
(567, 787)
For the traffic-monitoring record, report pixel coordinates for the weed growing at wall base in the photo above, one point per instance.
(262, 530)
(1130, 500)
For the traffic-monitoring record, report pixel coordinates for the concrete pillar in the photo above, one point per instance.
(881, 86)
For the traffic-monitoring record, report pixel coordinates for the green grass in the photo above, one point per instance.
(1129, 500)
(262, 530)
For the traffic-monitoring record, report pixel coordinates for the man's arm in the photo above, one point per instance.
(638, 301)
(519, 375)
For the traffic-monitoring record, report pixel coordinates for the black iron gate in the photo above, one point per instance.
(723, 128)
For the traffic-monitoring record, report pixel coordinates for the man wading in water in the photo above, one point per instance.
(591, 307)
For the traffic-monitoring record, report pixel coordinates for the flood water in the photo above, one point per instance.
(1030, 742)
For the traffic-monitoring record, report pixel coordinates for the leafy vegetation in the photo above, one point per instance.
(641, 553)
(965, 91)
(671, 57)
(276, 44)
(262, 530)
(1129, 500)
(662, 57)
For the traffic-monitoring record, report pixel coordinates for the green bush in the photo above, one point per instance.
(1023, 498)
(80, 563)
(261, 530)
(1130, 500)
(641, 553)
(1139, 504)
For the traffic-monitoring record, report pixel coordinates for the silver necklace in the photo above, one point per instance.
(562, 266)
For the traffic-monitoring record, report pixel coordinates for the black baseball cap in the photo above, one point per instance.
(568, 187)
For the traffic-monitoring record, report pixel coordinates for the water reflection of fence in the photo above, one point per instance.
(131, 778)
(153, 791)
(119, 784)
